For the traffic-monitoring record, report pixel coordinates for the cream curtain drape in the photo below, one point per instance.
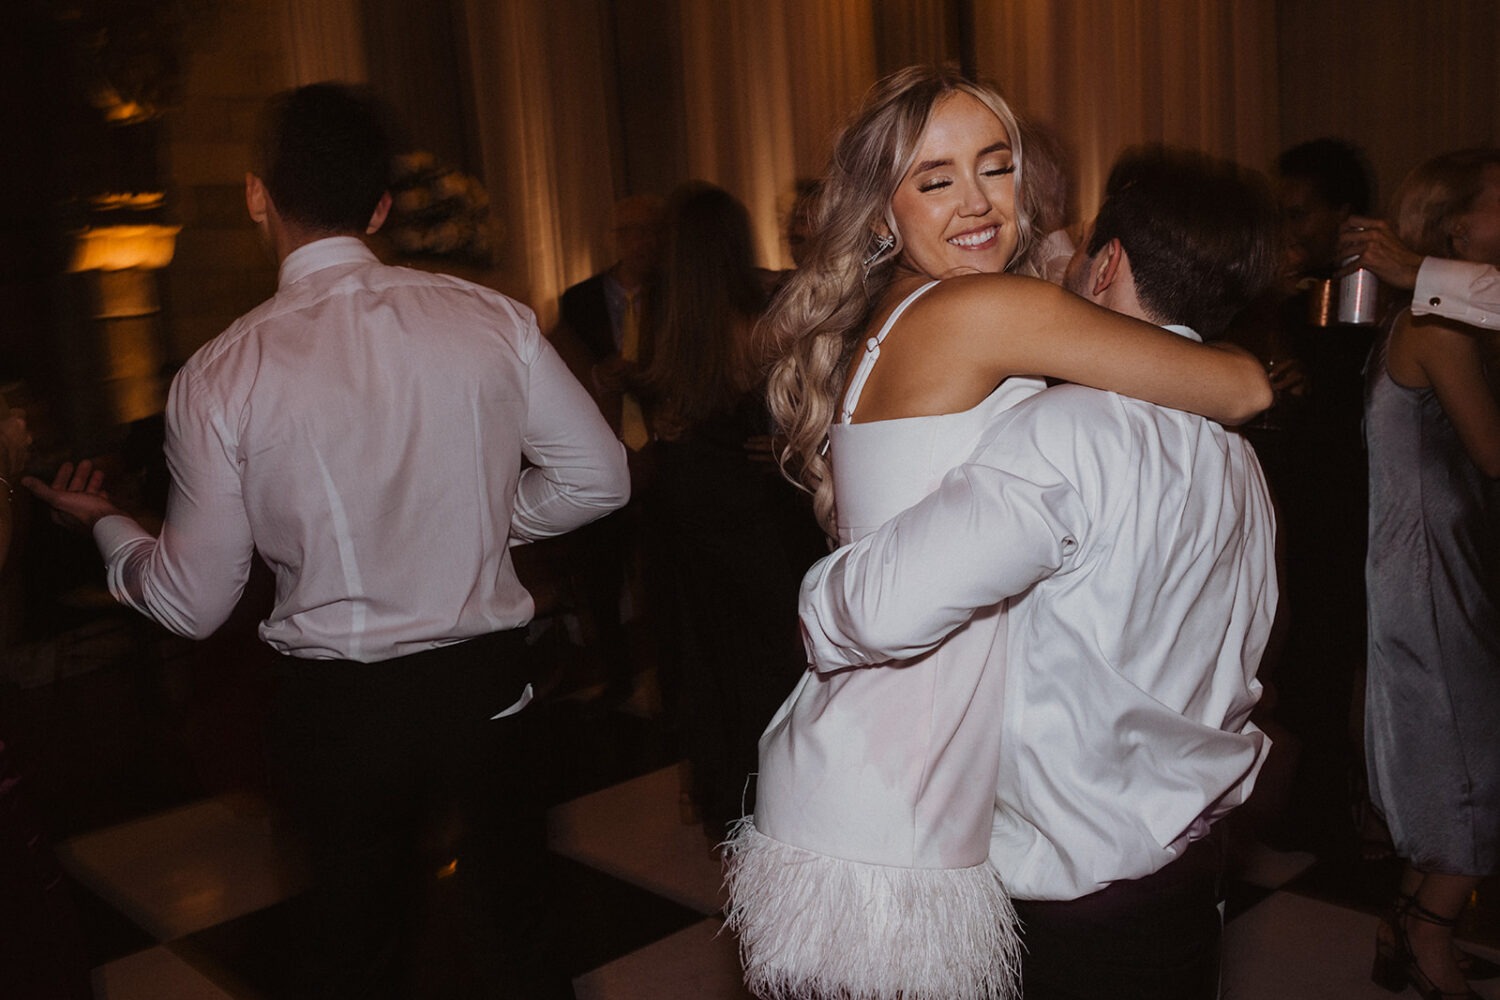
(737, 95)
(1106, 74)
(325, 40)
(538, 79)
(1405, 80)
(766, 83)
(760, 86)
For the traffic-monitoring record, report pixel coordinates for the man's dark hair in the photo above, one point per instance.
(325, 156)
(1201, 234)
(1335, 168)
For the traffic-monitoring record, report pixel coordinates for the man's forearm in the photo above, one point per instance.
(578, 471)
(982, 537)
(190, 596)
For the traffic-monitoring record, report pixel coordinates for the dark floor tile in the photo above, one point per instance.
(1361, 885)
(590, 747)
(107, 933)
(606, 918)
(255, 955)
(600, 919)
(1241, 896)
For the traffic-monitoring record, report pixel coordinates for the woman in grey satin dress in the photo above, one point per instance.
(1432, 716)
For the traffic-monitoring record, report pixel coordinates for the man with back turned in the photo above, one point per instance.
(364, 431)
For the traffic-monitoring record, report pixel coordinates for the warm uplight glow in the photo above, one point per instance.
(448, 869)
(120, 111)
(115, 248)
(136, 201)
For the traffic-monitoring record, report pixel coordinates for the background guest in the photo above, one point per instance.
(728, 569)
(800, 218)
(599, 335)
(1048, 189)
(1432, 713)
(1311, 449)
(41, 951)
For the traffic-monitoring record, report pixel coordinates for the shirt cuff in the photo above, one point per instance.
(824, 652)
(115, 532)
(1439, 278)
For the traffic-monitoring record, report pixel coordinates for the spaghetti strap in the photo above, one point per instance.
(872, 351)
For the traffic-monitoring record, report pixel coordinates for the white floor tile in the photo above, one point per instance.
(632, 831)
(155, 974)
(697, 963)
(186, 869)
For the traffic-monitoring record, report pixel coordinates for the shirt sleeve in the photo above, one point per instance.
(1458, 290)
(984, 535)
(578, 471)
(189, 578)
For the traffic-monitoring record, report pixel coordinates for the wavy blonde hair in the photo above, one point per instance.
(820, 315)
(1429, 199)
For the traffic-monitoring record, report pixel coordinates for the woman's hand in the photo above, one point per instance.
(1373, 246)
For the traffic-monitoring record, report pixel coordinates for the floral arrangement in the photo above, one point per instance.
(437, 211)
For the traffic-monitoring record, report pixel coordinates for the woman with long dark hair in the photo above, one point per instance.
(726, 565)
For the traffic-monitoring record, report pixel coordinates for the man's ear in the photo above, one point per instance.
(1106, 267)
(257, 199)
(377, 217)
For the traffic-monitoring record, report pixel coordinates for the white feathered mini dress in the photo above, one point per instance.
(864, 873)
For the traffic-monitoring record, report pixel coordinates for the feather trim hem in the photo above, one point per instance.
(811, 925)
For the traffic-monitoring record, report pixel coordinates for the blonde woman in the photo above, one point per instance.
(863, 872)
(1432, 704)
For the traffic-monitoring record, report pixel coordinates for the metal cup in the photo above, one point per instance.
(1320, 303)
(1358, 292)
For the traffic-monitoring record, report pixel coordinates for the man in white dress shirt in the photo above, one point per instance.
(1135, 545)
(364, 431)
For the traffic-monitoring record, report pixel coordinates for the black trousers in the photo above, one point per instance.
(390, 770)
(1154, 938)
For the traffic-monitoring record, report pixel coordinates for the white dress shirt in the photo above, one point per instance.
(364, 430)
(1135, 544)
(1458, 290)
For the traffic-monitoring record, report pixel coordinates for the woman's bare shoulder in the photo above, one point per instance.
(989, 294)
(959, 309)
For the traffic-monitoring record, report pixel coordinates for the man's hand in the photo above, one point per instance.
(1375, 247)
(1288, 377)
(76, 496)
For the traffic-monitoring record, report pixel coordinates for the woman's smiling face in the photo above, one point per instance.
(956, 206)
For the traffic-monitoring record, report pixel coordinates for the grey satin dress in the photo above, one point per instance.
(1432, 711)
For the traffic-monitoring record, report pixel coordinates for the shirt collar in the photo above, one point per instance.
(319, 254)
(1183, 331)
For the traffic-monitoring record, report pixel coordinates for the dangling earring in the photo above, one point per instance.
(883, 244)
